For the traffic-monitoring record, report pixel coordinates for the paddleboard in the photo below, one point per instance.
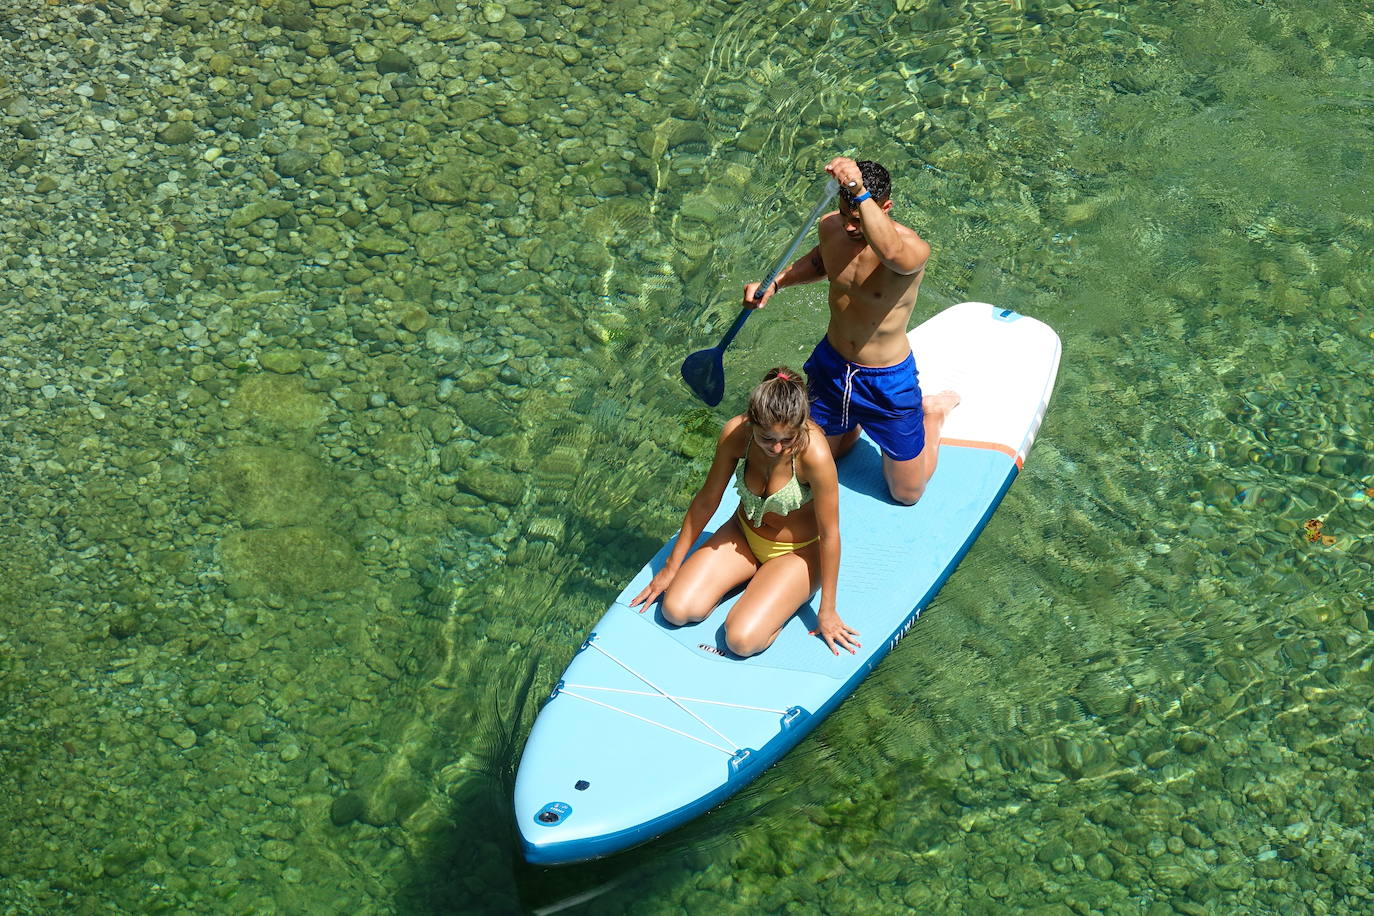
(652, 725)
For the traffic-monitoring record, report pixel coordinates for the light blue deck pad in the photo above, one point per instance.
(603, 780)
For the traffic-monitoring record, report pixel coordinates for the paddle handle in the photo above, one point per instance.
(831, 188)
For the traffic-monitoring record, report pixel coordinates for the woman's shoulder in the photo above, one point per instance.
(734, 435)
(816, 455)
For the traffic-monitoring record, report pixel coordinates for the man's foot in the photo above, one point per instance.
(939, 405)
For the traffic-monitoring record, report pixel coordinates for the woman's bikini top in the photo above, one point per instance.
(790, 497)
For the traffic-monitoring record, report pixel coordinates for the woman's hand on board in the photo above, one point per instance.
(656, 587)
(836, 633)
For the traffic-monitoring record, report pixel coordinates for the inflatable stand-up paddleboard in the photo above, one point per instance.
(651, 725)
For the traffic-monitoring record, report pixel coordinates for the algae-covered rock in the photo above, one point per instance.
(177, 132)
(272, 486)
(393, 61)
(1103, 693)
(441, 188)
(256, 210)
(492, 485)
(122, 857)
(300, 560)
(382, 243)
(346, 809)
(484, 415)
(281, 360)
(295, 162)
(280, 400)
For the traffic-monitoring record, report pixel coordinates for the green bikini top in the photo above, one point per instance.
(790, 497)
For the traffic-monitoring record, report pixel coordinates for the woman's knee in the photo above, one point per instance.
(746, 638)
(681, 609)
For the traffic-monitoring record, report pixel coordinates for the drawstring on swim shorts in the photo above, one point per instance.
(850, 370)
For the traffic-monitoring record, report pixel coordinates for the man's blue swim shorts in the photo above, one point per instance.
(885, 400)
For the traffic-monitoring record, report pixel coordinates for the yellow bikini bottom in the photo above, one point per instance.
(764, 549)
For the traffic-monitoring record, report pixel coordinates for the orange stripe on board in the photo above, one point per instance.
(995, 446)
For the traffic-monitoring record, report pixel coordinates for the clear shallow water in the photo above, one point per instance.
(323, 492)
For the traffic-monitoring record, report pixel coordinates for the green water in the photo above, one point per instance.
(338, 397)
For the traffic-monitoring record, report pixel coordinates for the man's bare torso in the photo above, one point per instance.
(870, 304)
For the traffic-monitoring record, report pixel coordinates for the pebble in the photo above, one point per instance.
(277, 850)
(177, 132)
(181, 736)
(346, 809)
(281, 361)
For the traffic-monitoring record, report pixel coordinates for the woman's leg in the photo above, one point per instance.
(714, 568)
(775, 593)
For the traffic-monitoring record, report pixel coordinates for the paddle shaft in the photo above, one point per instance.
(831, 188)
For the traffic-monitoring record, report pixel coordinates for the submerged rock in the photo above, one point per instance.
(280, 400)
(272, 486)
(299, 560)
(346, 809)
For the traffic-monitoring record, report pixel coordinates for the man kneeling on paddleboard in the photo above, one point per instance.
(862, 373)
(783, 541)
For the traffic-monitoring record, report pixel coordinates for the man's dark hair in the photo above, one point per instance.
(876, 182)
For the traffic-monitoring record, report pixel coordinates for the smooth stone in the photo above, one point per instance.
(280, 400)
(294, 162)
(277, 850)
(440, 188)
(256, 210)
(271, 486)
(491, 485)
(1231, 877)
(281, 361)
(177, 132)
(382, 243)
(346, 809)
(482, 415)
(1297, 831)
(394, 61)
(1190, 742)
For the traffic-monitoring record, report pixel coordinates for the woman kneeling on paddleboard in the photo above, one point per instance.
(784, 540)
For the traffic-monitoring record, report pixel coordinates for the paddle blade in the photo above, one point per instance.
(704, 373)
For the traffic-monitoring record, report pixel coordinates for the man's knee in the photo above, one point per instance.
(908, 494)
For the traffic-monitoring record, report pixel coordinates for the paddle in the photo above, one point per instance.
(704, 370)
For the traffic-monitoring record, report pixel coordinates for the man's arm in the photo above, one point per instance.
(807, 269)
(901, 252)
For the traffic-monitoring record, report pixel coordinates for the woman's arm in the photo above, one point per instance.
(825, 492)
(729, 449)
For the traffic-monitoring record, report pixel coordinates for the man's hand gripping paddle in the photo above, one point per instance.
(704, 370)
